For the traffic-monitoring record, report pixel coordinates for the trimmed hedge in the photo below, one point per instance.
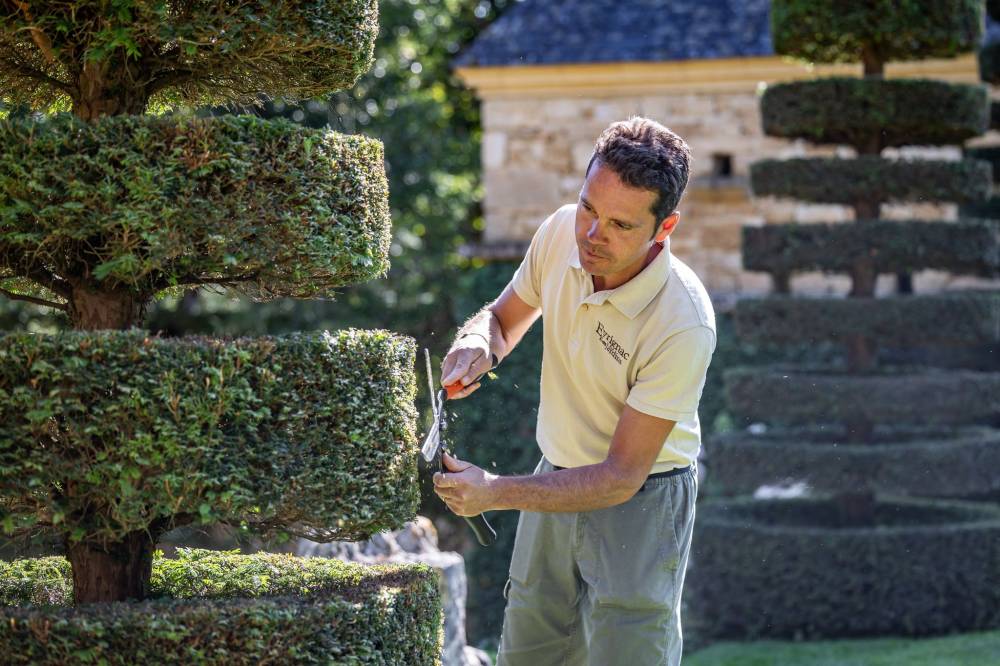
(180, 55)
(768, 568)
(224, 608)
(947, 463)
(983, 209)
(922, 397)
(989, 154)
(897, 112)
(312, 434)
(870, 178)
(966, 318)
(146, 203)
(989, 63)
(968, 247)
(833, 31)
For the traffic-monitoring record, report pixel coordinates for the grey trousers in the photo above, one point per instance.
(601, 588)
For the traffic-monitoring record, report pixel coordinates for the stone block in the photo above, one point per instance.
(522, 188)
(494, 150)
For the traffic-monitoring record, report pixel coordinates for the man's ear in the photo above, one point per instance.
(667, 227)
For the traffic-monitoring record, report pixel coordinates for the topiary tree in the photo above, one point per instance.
(867, 553)
(109, 436)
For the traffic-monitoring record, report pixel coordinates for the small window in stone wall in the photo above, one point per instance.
(722, 166)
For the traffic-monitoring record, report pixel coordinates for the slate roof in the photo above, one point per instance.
(536, 32)
(550, 32)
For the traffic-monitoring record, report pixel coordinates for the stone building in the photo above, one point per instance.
(552, 74)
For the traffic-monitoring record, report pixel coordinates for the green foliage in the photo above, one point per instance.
(786, 396)
(989, 63)
(175, 52)
(967, 318)
(103, 434)
(890, 577)
(967, 247)
(144, 204)
(224, 608)
(428, 121)
(875, 112)
(831, 31)
(895, 460)
(871, 178)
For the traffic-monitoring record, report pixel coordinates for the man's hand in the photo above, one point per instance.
(467, 490)
(468, 359)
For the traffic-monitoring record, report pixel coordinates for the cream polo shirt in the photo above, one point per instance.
(646, 344)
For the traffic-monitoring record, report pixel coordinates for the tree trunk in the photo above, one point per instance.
(780, 282)
(103, 93)
(97, 310)
(115, 572)
(873, 62)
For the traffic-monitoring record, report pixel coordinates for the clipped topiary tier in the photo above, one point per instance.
(215, 608)
(271, 206)
(767, 568)
(312, 434)
(901, 461)
(872, 179)
(879, 113)
(966, 247)
(794, 396)
(156, 53)
(832, 31)
(961, 319)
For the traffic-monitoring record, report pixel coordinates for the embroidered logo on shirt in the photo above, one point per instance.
(611, 345)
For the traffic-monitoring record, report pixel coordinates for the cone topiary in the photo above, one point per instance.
(872, 443)
(111, 195)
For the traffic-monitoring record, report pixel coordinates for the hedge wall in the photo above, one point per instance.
(899, 577)
(953, 462)
(969, 247)
(897, 112)
(224, 608)
(181, 56)
(831, 31)
(308, 433)
(965, 318)
(144, 203)
(870, 178)
(795, 396)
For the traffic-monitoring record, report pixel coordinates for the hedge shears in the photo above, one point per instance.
(434, 447)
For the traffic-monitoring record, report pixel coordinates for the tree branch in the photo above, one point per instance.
(29, 72)
(195, 280)
(31, 299)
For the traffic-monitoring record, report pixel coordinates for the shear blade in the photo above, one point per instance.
(431, 443)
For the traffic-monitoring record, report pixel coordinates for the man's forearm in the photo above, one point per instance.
(485, 324)
(577, 489)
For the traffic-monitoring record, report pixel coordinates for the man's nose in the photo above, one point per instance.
(594, 233)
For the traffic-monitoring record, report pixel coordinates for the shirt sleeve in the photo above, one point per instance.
(527, 280)
(669, 386)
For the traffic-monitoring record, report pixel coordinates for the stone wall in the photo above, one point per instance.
(535, 150)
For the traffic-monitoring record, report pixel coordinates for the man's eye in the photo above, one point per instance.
(622, 226)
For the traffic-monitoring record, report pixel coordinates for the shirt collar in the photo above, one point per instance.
(632, 297)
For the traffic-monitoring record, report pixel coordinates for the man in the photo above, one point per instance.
(603, 538)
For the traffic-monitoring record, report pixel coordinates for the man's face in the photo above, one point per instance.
(614, 227)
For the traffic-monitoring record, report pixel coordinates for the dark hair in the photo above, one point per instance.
(645, 154)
